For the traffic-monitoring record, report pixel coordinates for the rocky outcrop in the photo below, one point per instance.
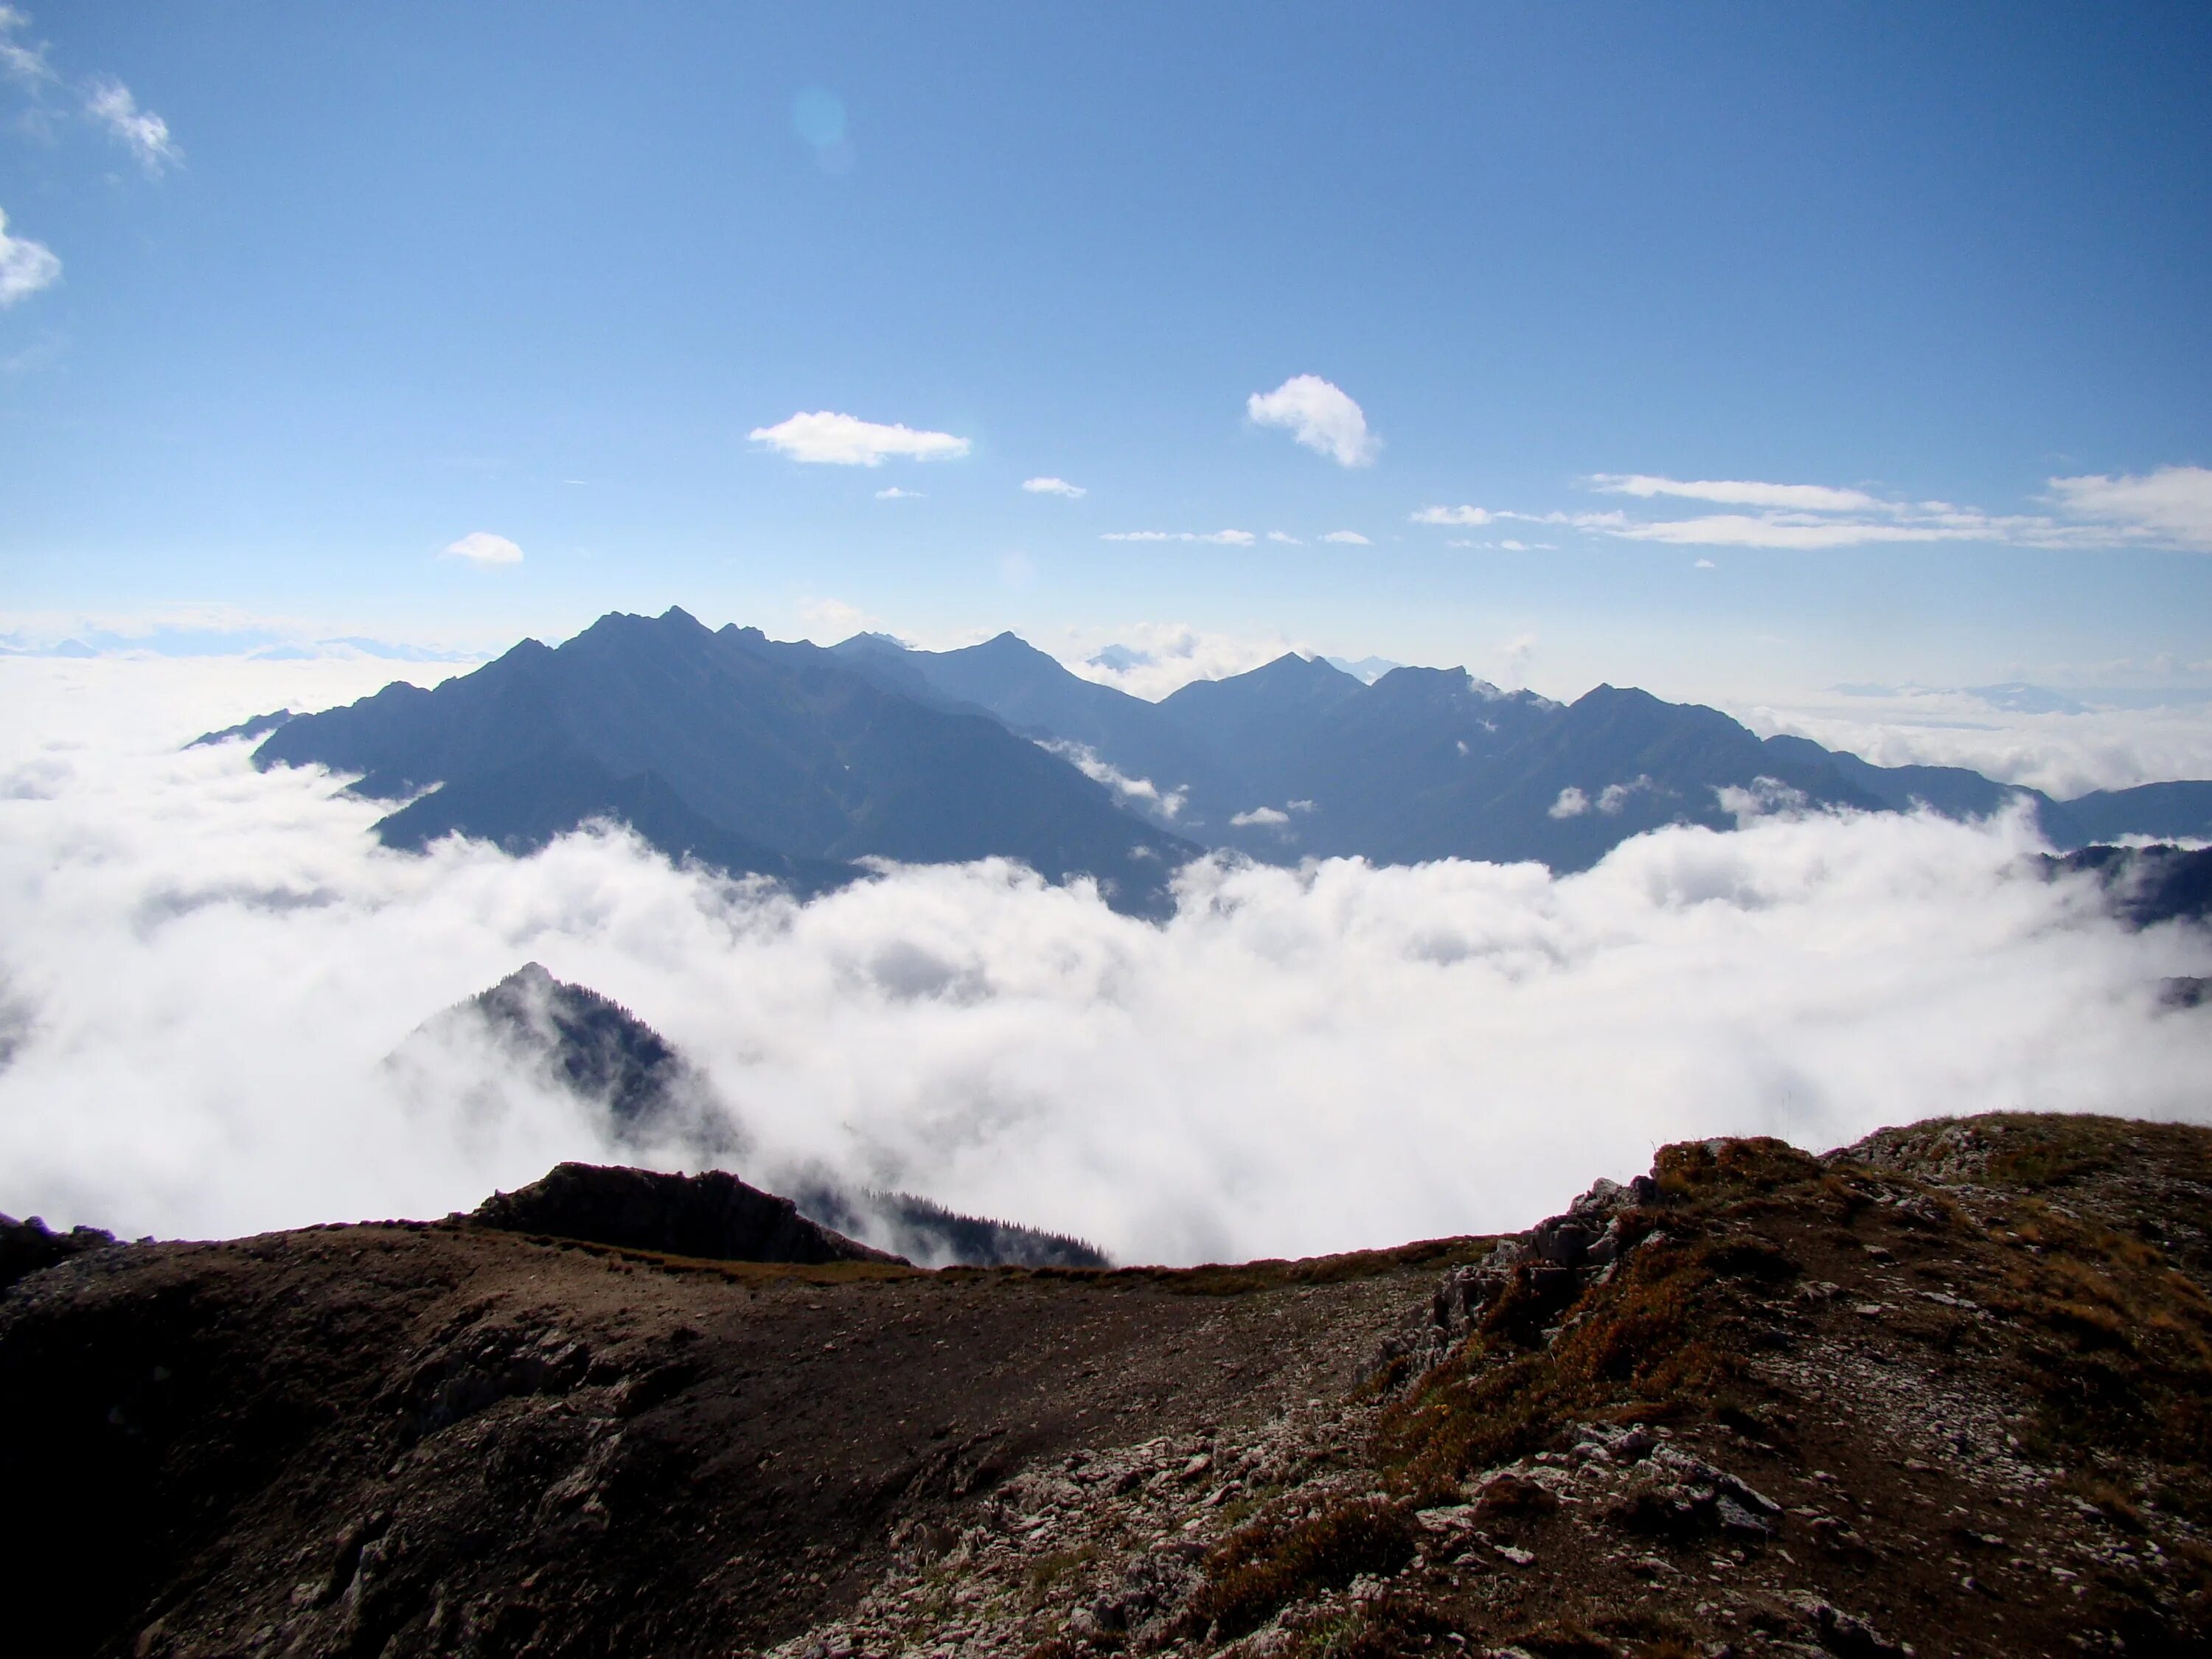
(715, 1215)
(1545, 1268)
(28, 1245)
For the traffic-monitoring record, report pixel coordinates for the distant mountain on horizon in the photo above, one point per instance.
(752, 756)
(1299, 758)
(794, 761)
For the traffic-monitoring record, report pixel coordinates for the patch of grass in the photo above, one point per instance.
(1660, 1339)
(1266, 1565)
(1245, 1277)
(1048, 1570)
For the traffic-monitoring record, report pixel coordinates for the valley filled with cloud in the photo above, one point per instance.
(203, 971)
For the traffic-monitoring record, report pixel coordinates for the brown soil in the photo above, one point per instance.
(1950, 1389)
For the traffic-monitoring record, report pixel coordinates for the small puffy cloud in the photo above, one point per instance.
(1766, 798)
(1285, 538)
(1268, 816)
(2173, 503)
(26, 266)
(1220, 538)
(18, 60)
(895, 494)
(482, 547)
(1571, 803)
(1054, 487)
(1615, 796)
(1320, 416)
(1349, 537)
(1453, 515)
(824, 437)
(145, 134)
(1704, 564)
(1798, 498)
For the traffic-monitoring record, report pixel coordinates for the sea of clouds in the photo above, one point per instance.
(204, 970)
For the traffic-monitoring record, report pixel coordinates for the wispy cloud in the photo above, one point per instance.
(1348, 538)
(26, 266)
(1054, 487)
(2173, 503)
(1804, 498)
(482, 547)
(109, 102)
(895, 494)
(1222, 538)
(19, 60)
(1142, 793)
(1320, 416)
(2169, 508)
(824, 437)
(1286, 538)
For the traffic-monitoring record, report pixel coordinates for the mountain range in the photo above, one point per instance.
(796, 762)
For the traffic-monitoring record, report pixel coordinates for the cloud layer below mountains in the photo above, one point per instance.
(202, 970)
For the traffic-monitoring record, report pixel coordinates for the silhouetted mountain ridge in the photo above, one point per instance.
(792, 761)
(756, 758)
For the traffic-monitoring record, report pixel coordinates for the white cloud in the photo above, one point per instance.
(1571, 803)
(1320, 416)
(1348, 538)
(2173, 503)
(146, 134)
(1142, 793)
(26, 64)
(2170, 506)
(1778, 530)
(1266, 817)
(1704, 564)
(216, 962)
(895, 494)
(832, 620)
(25, 266)
(482, 547)
(1220, 538)
(1802, 498)
(2102, 746)
(827, 439)
(1516, 653)
(1054, 487)
(1150, 660)
(1285, 538)
(1614, 797)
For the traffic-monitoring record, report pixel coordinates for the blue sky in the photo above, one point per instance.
(298, 298)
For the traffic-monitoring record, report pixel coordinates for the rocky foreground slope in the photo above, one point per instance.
(1945, 1392)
